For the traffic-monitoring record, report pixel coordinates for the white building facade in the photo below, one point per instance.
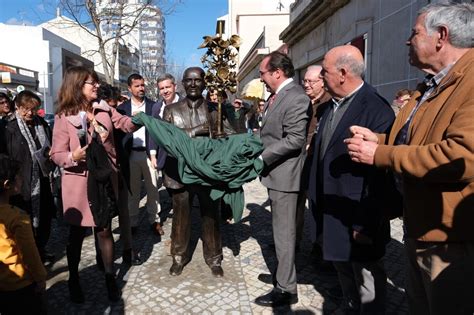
(147, 35)
(127, 56)
(40, 50)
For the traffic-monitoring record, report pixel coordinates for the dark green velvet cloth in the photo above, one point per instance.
(223, 164)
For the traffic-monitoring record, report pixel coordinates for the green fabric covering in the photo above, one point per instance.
(224, 164)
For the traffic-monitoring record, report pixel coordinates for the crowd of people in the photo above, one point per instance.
(331, 142)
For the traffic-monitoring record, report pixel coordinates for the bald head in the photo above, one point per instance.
(348, 57)
(343, 69)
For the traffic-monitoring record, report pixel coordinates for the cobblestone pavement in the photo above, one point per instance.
(248, 251)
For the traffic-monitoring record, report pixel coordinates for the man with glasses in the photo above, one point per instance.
(283, 134)
(314, 87)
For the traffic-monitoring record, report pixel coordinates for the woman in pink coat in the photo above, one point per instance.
(77, 118)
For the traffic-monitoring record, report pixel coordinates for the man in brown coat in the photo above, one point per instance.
(430, 150)
(314, 87)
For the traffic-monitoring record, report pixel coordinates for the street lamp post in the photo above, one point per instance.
(45, 76)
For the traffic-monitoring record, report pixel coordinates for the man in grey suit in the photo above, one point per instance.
(283, 134)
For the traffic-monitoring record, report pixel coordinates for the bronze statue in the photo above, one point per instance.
(191, 114)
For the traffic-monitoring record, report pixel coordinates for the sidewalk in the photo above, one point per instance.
(149, 289)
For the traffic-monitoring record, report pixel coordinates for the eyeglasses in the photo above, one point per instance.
(93, 83)
(310, 82)
(3, 102)
(263, 72)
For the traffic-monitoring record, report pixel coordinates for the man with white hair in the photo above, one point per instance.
(314, 87)
(355, 230)
(430, 150)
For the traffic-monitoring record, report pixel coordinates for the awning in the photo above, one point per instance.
(254, 90)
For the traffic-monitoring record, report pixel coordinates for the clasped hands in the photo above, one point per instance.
(362, 145)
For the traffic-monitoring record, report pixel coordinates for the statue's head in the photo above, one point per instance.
(193, 82)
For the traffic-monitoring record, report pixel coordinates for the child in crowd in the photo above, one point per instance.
(22, 274)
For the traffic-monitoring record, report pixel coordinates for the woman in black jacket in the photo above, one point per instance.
(28, 139)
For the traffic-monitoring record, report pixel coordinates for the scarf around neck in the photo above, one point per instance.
(35, 172)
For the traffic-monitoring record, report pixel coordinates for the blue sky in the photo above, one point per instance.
(184, 28)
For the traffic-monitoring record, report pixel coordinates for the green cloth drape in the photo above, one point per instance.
(223, 164)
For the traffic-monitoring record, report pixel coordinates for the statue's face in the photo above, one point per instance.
(193, 82)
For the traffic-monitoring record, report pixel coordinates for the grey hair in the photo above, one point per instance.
(458, 18)
(166, 76)
(356, 67)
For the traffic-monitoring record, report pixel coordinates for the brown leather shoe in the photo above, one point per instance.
(217, 271)
(157, 228)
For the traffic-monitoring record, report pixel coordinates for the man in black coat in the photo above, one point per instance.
(355, 231)
(136, 162)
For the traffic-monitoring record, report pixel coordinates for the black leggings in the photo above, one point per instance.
(103, 238)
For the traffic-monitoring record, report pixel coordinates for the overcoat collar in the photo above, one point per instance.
(352, 113)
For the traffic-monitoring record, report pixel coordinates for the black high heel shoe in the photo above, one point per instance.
(75, 291)
(113, 291)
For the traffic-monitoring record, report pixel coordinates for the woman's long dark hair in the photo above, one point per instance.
(70, 97)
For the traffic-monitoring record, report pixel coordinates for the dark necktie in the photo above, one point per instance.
(195, 121)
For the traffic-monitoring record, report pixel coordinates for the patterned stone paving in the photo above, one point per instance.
(149, 289)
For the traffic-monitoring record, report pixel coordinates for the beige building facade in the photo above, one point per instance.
(259, 24)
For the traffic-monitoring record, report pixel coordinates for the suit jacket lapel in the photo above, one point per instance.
(268, 111)
(148, 106)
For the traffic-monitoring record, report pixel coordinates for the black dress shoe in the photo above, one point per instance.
(75, 291)
(267, 278)
(217, 271)
(130, 258)
(277, 297)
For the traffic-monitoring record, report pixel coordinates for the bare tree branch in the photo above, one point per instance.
(121, 16)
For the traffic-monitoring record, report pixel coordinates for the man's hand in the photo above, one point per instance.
(361, 151)
(153, 161)
(363, 133)
(361, 238)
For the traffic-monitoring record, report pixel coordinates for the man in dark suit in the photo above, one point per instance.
(192, 116)
(167, 88)
(283, 134)
(136, 150)
(355, 231)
